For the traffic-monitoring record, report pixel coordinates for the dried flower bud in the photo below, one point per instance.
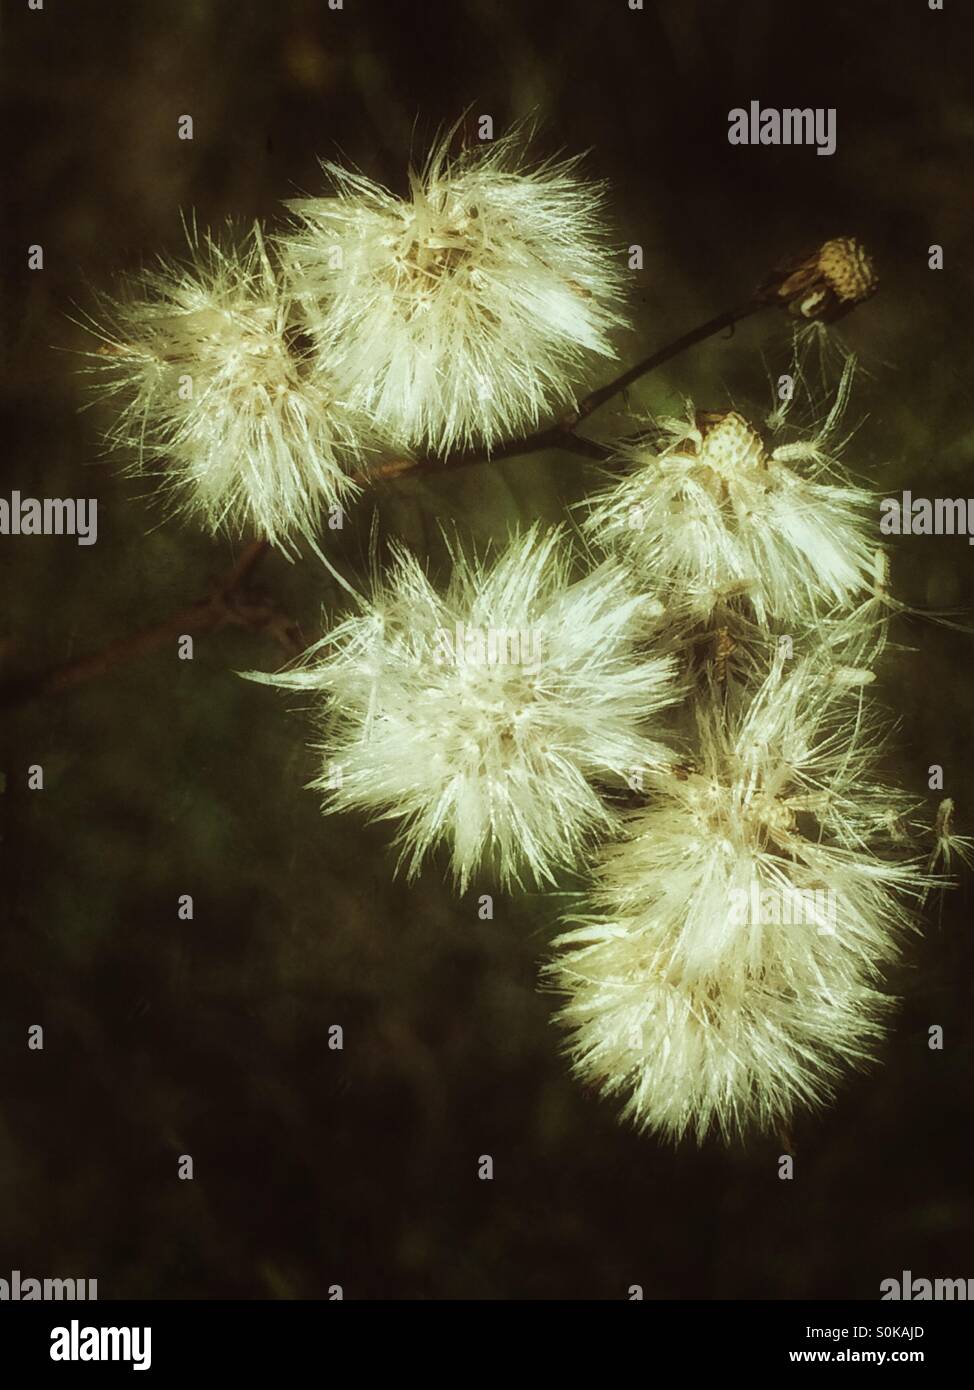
(727, 440)
(825, 285)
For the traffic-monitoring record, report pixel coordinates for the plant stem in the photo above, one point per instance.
(561, 435)
(728, 319)
(229, 602)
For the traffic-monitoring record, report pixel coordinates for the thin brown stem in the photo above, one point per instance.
(561, 435)
(728, 319)
(558, 436)
(230, 603)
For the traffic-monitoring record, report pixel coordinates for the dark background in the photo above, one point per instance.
(359, 1167)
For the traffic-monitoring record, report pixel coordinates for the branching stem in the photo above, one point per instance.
(233, 603)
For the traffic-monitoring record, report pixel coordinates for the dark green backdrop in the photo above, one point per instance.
(360, 1167)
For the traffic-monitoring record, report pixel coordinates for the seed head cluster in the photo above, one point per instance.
(680, 714)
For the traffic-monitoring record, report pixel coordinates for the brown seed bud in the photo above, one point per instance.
(825, 285)
(729, 441)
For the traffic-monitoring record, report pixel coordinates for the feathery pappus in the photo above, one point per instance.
(206, 356)
(469, 308)
(487, 714)
(690, 1057)
(744, 920)
(709, 513)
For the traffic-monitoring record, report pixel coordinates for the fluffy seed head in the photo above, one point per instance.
(711, 513)
(780, 793)
(693, 1057)
(205, 355)
(745, 918)
(468, 308)
(481, 715)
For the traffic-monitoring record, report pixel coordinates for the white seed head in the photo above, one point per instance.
(751, 908)
(205, 354)
(482, 715)
(693, 1057)
(712, 512)
(469, 308)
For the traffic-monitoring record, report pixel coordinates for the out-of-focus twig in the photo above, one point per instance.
(231, 602)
